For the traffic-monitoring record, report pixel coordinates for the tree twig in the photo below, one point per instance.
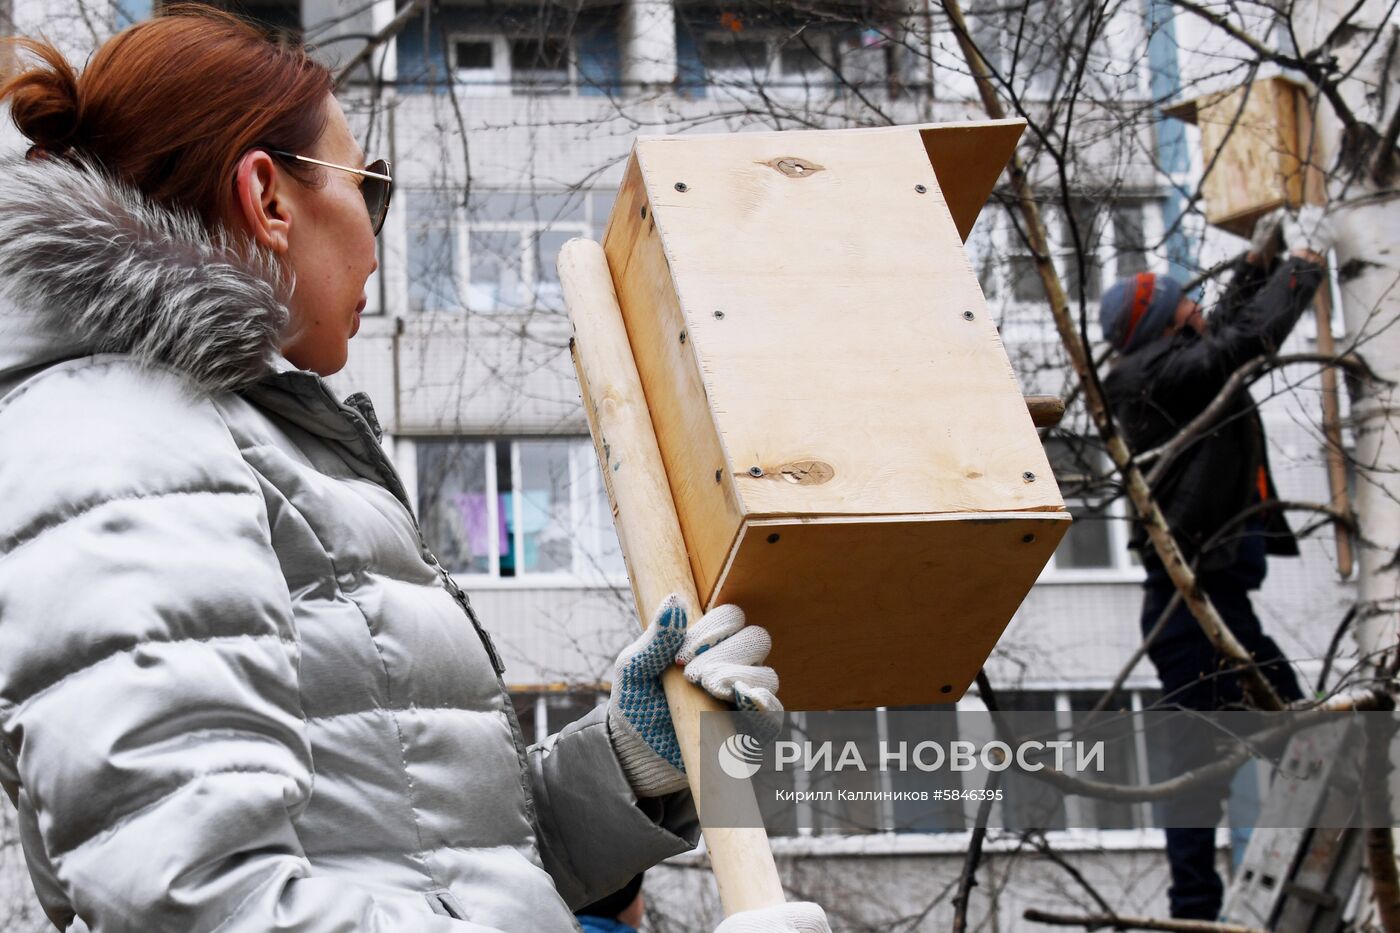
(1042, 845)
(967, 880)
(1332, 648)
(1120, 922)
(1126, 671)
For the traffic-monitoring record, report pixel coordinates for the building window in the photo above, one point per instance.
(919, 816)
(533, 510)
(1111, 238)
(432, 252)
(499, 252)
(1036, 47)
(543, 712)
(1029, 58)
(750, 62)
(1029, 803)
(1097, 542)
(1026, 803)
(487, 64)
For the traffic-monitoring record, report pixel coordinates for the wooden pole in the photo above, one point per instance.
(645, 514)
(1315, 192)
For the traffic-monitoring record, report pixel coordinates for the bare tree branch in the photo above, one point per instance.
(1118, 922)
(390, 30)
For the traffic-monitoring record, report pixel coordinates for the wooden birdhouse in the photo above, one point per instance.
(849, 453)
(1250, 142)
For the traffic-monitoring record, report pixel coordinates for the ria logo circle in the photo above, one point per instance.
(740, 756)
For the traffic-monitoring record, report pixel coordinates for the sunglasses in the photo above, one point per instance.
(377, 187)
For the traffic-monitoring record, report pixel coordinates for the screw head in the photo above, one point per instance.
(1027, 539)
(718, 474)
(755, 471)
(946, 688)
(773, 538)
(682, 336)
(644, 212)
(968, 315)
(1028, 476)
(719, 315)
(920, 189)
(682, 187)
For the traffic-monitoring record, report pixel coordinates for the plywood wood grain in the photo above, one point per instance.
(836, 322)
(885, 612)
(1251, 133)
(685, 430)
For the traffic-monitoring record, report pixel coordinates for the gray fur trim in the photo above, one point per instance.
(116, 273)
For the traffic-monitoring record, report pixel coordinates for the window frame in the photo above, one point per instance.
(735, 82)
(504, 82)
(1123, 39)
(461, 224)
(585, 505)
(1122, 567)
(1000, 239)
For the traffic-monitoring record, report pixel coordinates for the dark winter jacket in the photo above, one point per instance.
(1159, 388)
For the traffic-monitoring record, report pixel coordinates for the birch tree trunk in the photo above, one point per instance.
(1365, 207)
(1357, 151)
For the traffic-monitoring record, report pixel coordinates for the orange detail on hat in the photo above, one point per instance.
(1142, 298)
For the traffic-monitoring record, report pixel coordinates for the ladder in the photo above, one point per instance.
(1300, 880)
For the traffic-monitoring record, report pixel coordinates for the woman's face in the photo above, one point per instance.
(322, 234)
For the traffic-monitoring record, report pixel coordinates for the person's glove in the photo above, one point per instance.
(1264, 240)
(797, 917)
(719, 652)
(1310, 229)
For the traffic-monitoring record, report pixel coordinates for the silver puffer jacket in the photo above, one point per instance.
(237, 692)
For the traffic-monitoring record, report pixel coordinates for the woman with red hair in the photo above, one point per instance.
(237, 691)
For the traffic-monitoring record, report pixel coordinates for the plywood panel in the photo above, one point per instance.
(696, 466)
(844, 345)
(1252, 134)
(882, 612)
(968, 158)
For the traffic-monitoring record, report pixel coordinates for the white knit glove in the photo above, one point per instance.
(797, 917)
(719, 652)
(1310, 229)
(1264, 230)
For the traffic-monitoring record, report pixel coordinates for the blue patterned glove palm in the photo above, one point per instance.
(719, 652)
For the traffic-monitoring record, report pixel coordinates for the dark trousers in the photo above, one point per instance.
(1195, 677)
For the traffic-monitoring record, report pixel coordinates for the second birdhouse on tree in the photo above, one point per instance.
(1254, 142)
(850, 455)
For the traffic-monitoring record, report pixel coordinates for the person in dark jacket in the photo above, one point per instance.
(1215, 491)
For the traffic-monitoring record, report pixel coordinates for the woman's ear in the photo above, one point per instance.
(261, 202)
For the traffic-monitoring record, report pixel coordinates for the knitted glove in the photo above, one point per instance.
(1263, 242)
(1310, 229)
(797, 917)
(719, 653)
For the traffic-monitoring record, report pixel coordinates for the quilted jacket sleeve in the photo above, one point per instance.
(595, 835)
(148, 667)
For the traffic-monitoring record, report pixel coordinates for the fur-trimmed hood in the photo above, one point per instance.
(90, 265)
